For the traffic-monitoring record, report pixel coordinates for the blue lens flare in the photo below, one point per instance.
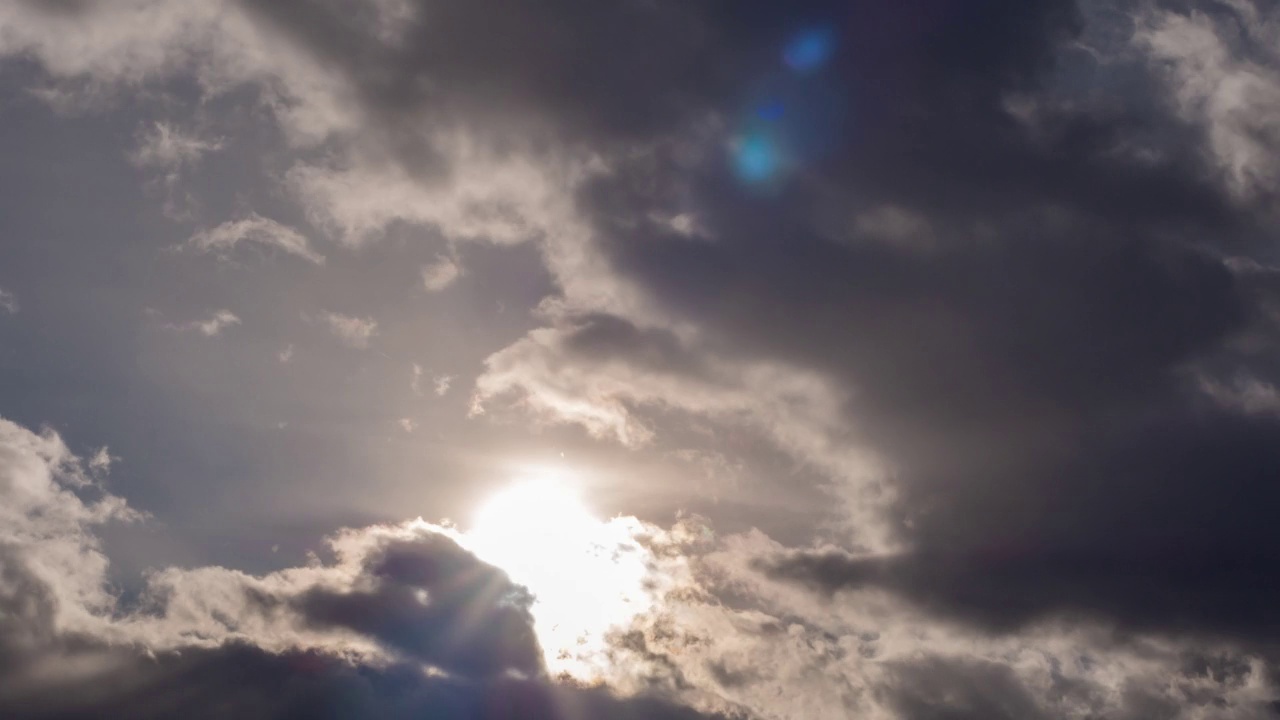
(810, 50)
(771, 111)
(789, 118)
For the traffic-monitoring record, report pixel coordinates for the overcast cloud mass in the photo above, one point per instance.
(915, 359)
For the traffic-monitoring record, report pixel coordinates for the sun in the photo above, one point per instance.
(588, 576)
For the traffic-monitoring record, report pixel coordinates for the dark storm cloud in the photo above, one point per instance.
(436, 601)
(936, 689)
(1025, 380)
(1030, 380)
(244, 682)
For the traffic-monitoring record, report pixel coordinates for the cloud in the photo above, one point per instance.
(100, 461)
(501, 198)
(441, 384)
(301, 639)
(255, 685)
(285, 356)
(349, 637)
(166, 147)
(53, 562)
(440, 274)
(1224, 77)
(49, 545)
(604, 373)
(979, 299)
(8, 302)
(220, 320)
(352, 331)
(257, 230)
(435, 601)
(1248, 395)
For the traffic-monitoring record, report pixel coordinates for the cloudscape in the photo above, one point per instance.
(661, 359)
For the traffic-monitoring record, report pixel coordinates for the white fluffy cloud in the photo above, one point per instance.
(46, 532)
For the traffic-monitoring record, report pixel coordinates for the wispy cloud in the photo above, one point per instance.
(353, 331)
(100, 462)
(163, 145)
(440, 274)
(8, 301)
(442, 383)
(256, 230)
(212, 326)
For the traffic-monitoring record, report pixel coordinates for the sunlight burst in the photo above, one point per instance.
(587, 575)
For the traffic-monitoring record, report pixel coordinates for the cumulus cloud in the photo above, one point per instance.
(353, 331)
(254, 229)
(51, 548)
(52, 559)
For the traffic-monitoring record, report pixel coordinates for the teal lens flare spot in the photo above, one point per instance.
(756, 158)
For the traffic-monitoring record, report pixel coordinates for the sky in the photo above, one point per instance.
(663, 359)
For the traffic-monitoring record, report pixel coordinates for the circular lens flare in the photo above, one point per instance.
(808, 51)
(756, 157)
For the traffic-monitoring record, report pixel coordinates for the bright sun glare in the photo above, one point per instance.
(587, 575)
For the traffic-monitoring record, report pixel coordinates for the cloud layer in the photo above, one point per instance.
(986, 287)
